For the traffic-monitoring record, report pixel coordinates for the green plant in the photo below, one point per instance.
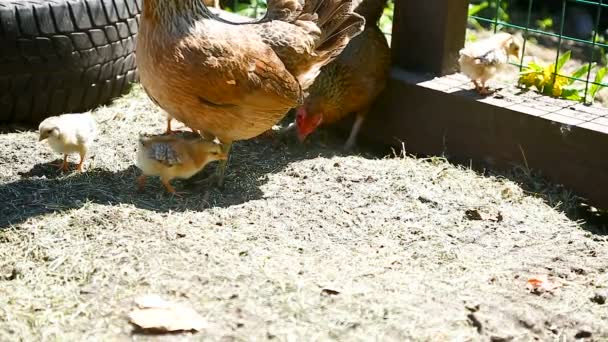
(475, 9)
(254, 9)
(386, 21)
(489, 5)
(545, 24)
(548, 80)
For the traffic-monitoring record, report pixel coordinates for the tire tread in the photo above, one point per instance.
(63, 56)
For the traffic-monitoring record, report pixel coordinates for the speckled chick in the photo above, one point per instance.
(179, 155)
(481, 60)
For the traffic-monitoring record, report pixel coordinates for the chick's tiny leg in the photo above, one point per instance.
(476, 84)
(484, 90)
(79, 167)
(64, 165)
(141, 182)
(352, 138)
(481, 87)
(167, 183)
(221, 168)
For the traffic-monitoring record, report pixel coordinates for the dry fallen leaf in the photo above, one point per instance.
(541, 284)
(481, 214)
(157, 315)
(330, 292)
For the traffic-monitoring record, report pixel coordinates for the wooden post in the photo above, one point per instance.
(427, 34)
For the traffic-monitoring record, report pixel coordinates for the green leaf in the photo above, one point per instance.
(475, 9)
(580, 72)
(535, 67)
(563, 59)
(527, 71)
(571, 93)
(599, 77)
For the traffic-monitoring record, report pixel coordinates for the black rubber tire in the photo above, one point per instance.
(62, 56)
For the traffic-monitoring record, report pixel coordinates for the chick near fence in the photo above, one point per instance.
(179, 155)
(67, 134)
(482, 60)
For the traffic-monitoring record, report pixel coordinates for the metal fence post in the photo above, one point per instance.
(427, 34)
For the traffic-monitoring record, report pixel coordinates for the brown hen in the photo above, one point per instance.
(350, 83)
(234, 81)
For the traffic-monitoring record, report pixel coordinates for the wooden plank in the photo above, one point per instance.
(566, 144)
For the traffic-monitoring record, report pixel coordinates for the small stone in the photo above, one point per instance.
(9, 273)
(599, 298)
(582, 334)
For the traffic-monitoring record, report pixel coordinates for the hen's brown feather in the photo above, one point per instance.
(353, 80)
(236, 81)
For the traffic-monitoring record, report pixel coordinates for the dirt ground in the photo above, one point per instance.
(304, 243)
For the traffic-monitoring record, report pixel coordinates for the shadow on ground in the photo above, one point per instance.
(44, 189)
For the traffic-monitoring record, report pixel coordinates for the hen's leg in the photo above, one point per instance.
(141, 182)
(169, 131)
(352, 138)
(221, 168)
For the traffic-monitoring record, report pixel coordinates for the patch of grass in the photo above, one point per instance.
(294, 223)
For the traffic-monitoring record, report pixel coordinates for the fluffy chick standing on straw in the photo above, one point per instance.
(67, 134)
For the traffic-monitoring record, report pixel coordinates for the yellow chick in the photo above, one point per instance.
(481, 60)
(179, 155)
(67, 134)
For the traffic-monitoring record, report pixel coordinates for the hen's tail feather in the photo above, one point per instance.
(337, 22)
(335, 19)
(341, 35)
(284, 10)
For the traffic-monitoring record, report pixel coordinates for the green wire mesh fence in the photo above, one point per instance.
(578, 24)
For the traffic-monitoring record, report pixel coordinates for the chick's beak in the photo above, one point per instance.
(41, 137)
